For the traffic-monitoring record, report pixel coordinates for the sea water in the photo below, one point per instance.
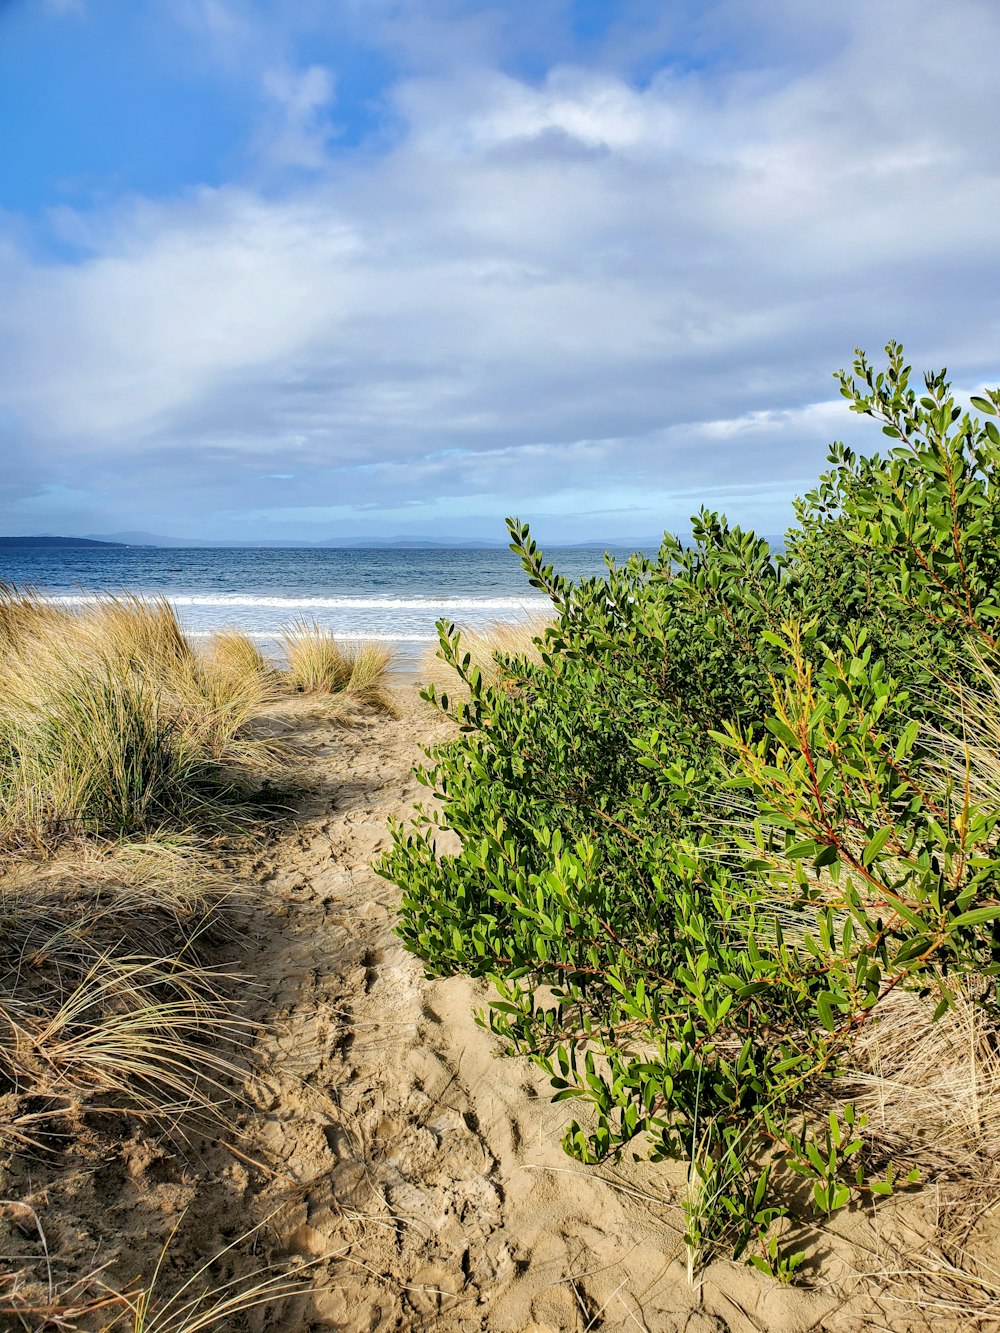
(396, 594)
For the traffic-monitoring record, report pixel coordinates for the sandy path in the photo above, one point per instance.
(432, 1187)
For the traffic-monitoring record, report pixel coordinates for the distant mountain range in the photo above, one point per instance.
(358, 543)
(119, 540)
(157, 539)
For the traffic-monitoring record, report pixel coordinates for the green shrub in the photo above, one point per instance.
(707, 835)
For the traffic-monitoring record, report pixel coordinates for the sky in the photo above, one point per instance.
(380, 268)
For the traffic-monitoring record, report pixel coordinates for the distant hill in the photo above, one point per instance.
(122, 540)
(349, 543)
(35, 542)
(356, 543)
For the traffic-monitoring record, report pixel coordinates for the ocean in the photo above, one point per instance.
(394, 594)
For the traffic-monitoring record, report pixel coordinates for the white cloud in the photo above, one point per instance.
(297, 135)
(543, 291)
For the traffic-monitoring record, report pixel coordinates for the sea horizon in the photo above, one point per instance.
(392, 594)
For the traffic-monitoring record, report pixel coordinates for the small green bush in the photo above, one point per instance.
(708, 835)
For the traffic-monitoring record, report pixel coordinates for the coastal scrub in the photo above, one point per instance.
(707, 842)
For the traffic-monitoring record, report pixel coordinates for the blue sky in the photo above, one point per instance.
(366, 267)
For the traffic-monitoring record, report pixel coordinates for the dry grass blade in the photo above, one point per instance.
(64, 1310)
(144, 1029)
(210, 1309)
(189, 1310)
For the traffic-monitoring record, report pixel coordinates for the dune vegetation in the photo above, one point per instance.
(489, 650)
(728, 846)
(132, 767)
(722, 833)
(319, 665)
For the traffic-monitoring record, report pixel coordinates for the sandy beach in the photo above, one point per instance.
(499, 667)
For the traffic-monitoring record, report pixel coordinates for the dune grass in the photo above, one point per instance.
(112, 725)
(24, 613)
(146, 1029)
(234, 652)
(109, 726)
(104, 990)
(319, 664)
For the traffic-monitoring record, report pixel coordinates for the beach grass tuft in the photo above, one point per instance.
(319, 664)
(111, 726)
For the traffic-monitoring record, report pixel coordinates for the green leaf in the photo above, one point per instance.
(875, 845)
(825, 1008)
(783, 732)
(976, 917)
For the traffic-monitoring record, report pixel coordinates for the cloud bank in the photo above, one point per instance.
(573, 283)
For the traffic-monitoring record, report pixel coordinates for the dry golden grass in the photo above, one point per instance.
(931, 1089)
(122, 750)
(102, 991)
(235, 654)
(143, 1029)
(169, 876)
(111, 725)
(141, 633)
(931, 1093)
(949, 1277)
(22, 613)
(216, 703)
(366, 684)
(318, 664)
(490, 649)
(88, 746)
(969, 750)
